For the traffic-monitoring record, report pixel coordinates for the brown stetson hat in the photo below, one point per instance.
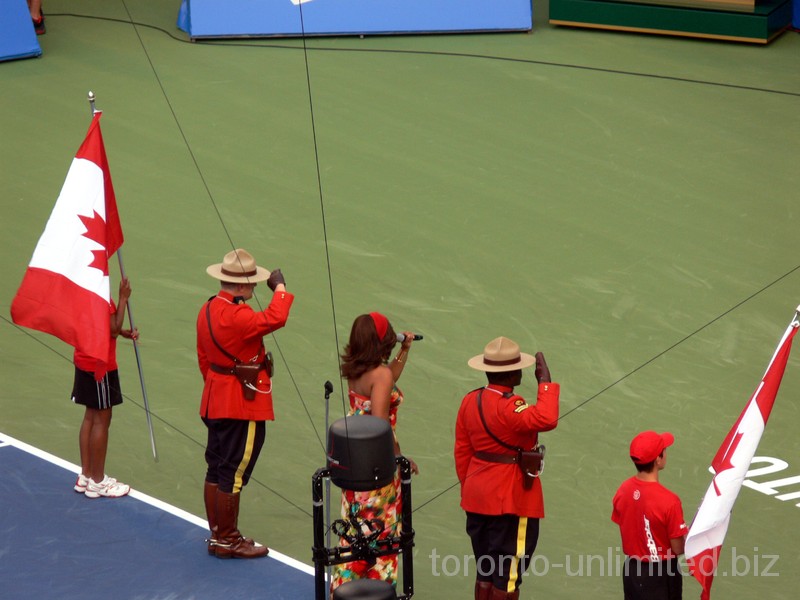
(238, 266)
(501, 354)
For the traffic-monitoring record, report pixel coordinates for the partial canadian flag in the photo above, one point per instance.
(66, 290)
(707, 533)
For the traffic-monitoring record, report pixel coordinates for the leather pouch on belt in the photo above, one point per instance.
(531, 463)
(247, 374)
(269, 364)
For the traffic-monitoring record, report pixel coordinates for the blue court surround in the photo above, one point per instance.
(134, 548)
(281, 18)
(17, 36)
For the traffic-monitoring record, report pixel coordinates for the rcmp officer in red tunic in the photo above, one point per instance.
(237, 395)
(498, 460)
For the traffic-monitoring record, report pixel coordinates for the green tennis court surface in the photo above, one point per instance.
(626, 204)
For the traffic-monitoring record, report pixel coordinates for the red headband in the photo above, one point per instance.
(381, 324)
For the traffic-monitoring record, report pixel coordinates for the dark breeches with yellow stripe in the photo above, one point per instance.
(232, 451)
(503, 546)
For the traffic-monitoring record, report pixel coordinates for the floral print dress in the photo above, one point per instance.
(384, 504)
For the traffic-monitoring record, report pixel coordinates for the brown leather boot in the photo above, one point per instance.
(498, 594)
(230, 542)
(210, 498)
(483, 590)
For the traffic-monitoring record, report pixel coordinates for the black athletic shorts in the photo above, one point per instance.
(96, 394)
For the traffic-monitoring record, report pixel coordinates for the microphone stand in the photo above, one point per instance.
(328, 571)
(362, 546)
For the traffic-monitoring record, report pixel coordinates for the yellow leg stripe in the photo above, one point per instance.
(248, 452)
(513, 574)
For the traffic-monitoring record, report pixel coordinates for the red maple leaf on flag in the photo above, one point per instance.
(724, 463)
(56, 296)
(96, 231)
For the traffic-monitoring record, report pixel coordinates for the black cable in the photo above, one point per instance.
(210, 196)
(647, 362)
(679, 342)
(328, 264)
(321, 198)
(545, 63)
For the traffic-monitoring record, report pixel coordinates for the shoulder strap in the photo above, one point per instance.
(489, 431)
(211, 333)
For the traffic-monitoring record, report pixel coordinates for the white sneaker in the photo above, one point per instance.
(108, 488)
(80, 484)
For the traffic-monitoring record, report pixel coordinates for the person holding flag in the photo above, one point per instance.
(99, 396)
(66, 293)
(651, 524)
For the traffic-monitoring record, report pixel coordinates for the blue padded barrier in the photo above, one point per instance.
(281, 18)
(17, 37)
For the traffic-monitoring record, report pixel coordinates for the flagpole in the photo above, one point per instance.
(139, 366)
(710, 525)
(91, 98)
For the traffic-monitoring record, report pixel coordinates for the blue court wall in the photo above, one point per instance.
(282, 18)
(17, 37)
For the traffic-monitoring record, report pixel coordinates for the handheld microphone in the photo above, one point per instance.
(401, 338)
(328, 389)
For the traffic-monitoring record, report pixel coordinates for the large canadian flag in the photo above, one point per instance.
(66, 290)
(704, 541)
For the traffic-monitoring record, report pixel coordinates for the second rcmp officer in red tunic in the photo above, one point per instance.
(498, 460)
(237, 395)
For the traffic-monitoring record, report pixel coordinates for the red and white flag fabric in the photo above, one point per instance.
(66, 290)
(707, 532)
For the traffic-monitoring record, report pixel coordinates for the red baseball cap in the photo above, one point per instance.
(648, 445)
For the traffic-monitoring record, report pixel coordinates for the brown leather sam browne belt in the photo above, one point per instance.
(507, 459)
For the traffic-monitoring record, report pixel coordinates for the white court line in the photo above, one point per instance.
(7, 440)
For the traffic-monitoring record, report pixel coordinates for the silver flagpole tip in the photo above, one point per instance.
(92, 99)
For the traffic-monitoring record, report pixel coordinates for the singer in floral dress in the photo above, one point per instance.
(371, 379)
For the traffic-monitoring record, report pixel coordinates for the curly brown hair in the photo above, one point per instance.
(365, 351)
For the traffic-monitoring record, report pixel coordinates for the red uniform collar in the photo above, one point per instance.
(228, 297)
(500, 389)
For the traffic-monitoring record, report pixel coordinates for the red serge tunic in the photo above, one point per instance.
(490, 488)
(239, 329)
